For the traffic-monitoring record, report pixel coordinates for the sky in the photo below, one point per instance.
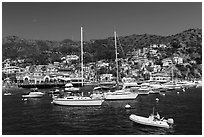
(63, 20)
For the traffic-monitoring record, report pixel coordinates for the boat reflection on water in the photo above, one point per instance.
(32, 101)
(147, 130)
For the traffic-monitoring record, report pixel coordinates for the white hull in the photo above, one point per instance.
(117, 96)
(71, 89)
(7, 94)
(187, 85)
(33, 95)
(143, 91)
(171, 86)
(154, 92)
(148, 121)
(78, 102)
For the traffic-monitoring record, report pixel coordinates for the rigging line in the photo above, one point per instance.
(120, 46)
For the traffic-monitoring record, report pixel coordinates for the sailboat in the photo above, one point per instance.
(172, 85)
(78, 100)
(119, 94)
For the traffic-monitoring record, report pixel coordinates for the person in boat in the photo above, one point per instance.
(157, 117)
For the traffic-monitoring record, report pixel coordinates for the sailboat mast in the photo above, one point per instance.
(172, 72)
(153, 111)
(116, 58)
(82, 72)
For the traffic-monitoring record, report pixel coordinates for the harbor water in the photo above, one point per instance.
(40, 117)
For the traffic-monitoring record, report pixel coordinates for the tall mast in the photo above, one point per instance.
(172, 71)
(116, 58)
(82, 72)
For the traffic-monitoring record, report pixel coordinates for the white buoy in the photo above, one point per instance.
(127, 106)
(177, 92)
(163, 94)
(157, 99)
(52, 102)
(25, 99)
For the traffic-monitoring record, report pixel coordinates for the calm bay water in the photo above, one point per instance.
(40, 117)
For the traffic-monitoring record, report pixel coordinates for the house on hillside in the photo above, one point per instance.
(167, 62)
(178, 60)
(11, 69)
(106, 77)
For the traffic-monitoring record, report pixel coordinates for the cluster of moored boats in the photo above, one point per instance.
(128, 91)
(70, 97)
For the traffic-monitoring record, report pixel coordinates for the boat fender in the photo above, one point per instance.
(170, 121)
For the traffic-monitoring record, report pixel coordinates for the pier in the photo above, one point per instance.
(41, 85)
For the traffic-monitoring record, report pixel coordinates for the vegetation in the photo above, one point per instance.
(187, 44)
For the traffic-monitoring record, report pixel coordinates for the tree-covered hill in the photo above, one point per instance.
(187, 43)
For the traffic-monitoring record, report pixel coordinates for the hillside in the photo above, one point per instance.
(187, 43)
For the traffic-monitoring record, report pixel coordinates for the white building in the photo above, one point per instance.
(11, 69)
(178, 60)
(167, 62)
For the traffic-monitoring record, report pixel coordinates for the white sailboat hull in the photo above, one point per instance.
(121, 96)
(78, 102)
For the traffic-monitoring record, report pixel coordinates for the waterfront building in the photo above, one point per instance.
(33, 78)
(160, 77)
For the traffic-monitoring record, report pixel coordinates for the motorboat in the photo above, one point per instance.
(103, 88)
(70, 87)
(171, 86)
(156, 85)
(152, 120)
(155, 88)
(54, 91)
(77, 101)
(154, 91)
(198, 83)
(107, 83)
(34, 93)
(144, 89)
(119, 95)
(187, 84)
(132, 86)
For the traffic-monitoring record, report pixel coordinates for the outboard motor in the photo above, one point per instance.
(170, 121)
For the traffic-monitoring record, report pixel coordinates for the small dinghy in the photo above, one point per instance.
(7, 94)
(152, 120)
